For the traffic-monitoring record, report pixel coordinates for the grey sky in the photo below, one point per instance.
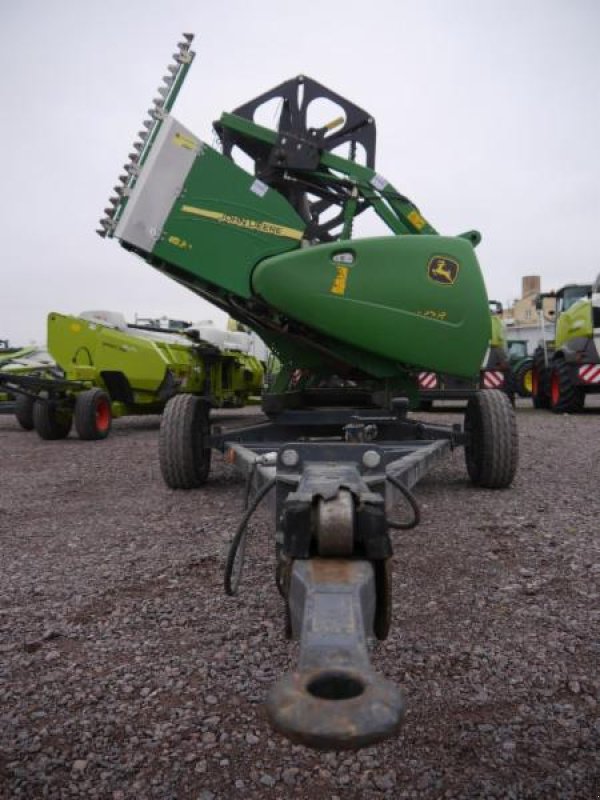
(487, 111)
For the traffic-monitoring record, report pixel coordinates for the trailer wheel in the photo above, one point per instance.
(24, 411)
(50, 420)
(539, 381)
(565, 396)
(524, 379)
(184, 459)
(93, 415)
(492, 447)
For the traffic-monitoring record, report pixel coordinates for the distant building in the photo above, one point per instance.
(522, 319)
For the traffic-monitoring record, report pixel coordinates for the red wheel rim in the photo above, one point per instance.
(535, 382)
(102, 416)
(554, 388)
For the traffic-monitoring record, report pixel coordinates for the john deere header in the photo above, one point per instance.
(275, 249)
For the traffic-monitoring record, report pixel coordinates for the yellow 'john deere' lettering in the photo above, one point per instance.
(270, 228)
(339, 282)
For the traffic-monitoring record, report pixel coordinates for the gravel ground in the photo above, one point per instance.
(126, 673)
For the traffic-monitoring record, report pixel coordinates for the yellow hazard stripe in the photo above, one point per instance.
(243, 222)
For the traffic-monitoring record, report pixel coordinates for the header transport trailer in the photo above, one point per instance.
(351, 322)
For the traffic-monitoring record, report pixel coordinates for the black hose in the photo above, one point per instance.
(231, 583)
(412, 501)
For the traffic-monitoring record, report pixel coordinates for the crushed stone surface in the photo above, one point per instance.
(126, 673)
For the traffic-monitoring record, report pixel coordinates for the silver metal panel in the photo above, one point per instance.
(158, 185)
(411, 468)
(262, 468)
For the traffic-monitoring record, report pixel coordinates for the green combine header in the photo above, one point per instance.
(373, 308)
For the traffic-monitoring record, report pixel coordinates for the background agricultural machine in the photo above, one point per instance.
(15, 361)
(106, 368)
(494, 373)
(566, 369)
(521, 365)
(6, 349)
(351, 322)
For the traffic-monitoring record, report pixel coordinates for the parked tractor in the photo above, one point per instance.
(495, 371)
(567, 368)
(350, 321)
(521, 365)
(105, 368)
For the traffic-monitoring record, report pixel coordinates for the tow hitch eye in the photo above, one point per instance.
(334, 700)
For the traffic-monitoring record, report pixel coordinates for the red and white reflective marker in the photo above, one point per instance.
(590, 373)
(492, 379)
(427, 380)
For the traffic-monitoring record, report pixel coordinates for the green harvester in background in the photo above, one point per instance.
(567, 368)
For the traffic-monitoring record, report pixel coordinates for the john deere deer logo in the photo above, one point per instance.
(443, 270)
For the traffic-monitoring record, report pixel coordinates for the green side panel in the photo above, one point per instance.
(224, 222)
(238, 377)
(415, 300)
(498, 336)
(84, 349)
(575, 322)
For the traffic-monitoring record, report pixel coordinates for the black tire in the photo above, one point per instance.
(51, 421)
(524, 379)
(93, 415)
(184, 459)
(565, 396)
(24, 411)
(492, 447)
(509, 390)
(540, 381)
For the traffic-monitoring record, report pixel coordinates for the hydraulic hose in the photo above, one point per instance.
(232, 581)
(412, 501)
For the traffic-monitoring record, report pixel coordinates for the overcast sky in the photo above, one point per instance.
(487, 111)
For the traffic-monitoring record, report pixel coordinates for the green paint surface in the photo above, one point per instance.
(385, 302)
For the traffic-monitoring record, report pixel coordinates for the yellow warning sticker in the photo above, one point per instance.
(270, 228)
(416, 220)
(339, 282)
(185, 141)
(75, 327)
